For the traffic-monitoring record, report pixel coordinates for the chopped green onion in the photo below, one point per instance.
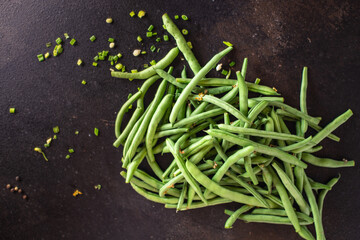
(12, 110)
(112, 45)
(184, 17)
(111, 40)
(83, 82)
(166, 38)
(46, 145)
(96, 58)
(154, 33)
(76, 132)
(190, 45)
(132, 14)
(153, 48)
(149, 34)
(224, 72)
(71, 150)
(118, 66)
(143, 52)
(115, 58)
(150, 28)
(164, 27)
(55, 137)
(72, 41)
(97, 187)
(40, 57)
(153, 62)
(134, 70)
(176, 16)
(185, 32)
(96, 132)
(158, 39)
(67, 156)
(66, 36)
(92, 38)
(228, 75)
(56, 129)
(47, 55)
(58, 40)
(123, 69)
(141, 13)
(57, 50)
(110, 58)
(101, 57)
(48, 44)
(257, 80)
(95, 64)
(227, 44)
(105, 53)
(231, 64)
(139, 39)
(79, 62)
(119, 55)
(109, 20)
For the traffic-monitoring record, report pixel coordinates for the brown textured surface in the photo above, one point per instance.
(279, 37)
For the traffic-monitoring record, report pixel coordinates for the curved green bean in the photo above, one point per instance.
(153, 197)
(326, 162)
(322, 194)
(235, 215)
(148, 72)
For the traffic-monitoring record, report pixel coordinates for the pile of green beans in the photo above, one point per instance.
(226, 146)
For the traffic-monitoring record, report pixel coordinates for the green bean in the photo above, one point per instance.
(182, 195)
(153, 197)
(267, 219)
(299, 177)
(322, 194)
(248, 187)
(265, 90)
(249, 170)
(155, 168)
(253, 101)
(230, 221)
(181, 43)
(328, 129)
(201, 116)
(320, 235)
(169, 78)
(198, 204)
(183, 72)
(180, 163)
(148, 72)
(134, 164)
(297, 145)
(139, 183)
(226, 106)
(317, 185)
(244, 68)
(280, 212)
(286, 201)
(243, 91)
(303, 106)
(170, 132)
(188, 110)
(274, 199)
(144, 125)
(296, 112)
(156, 118)
(122, 111)
(198, 76)
(258, 147)
(311, 150)
(326, 162)
(222, 192)
(304, 207)
(217, 90)
(229, 162)
(260, 133)
(197, 146)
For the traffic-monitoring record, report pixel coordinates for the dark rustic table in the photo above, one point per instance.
(278, 37)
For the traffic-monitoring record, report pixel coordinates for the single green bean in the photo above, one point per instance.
(182, 196)
(299, 178)
(198, 76)
(199, 204)
(134, 164)
(139, 183)
(153, 197)
(255, 111)
(303, 107)
(148, 72)
(199, 117)
(181, 43)
(322, 194)
(250, 171)
(243, 91)
(234, 216)
(326, 162)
